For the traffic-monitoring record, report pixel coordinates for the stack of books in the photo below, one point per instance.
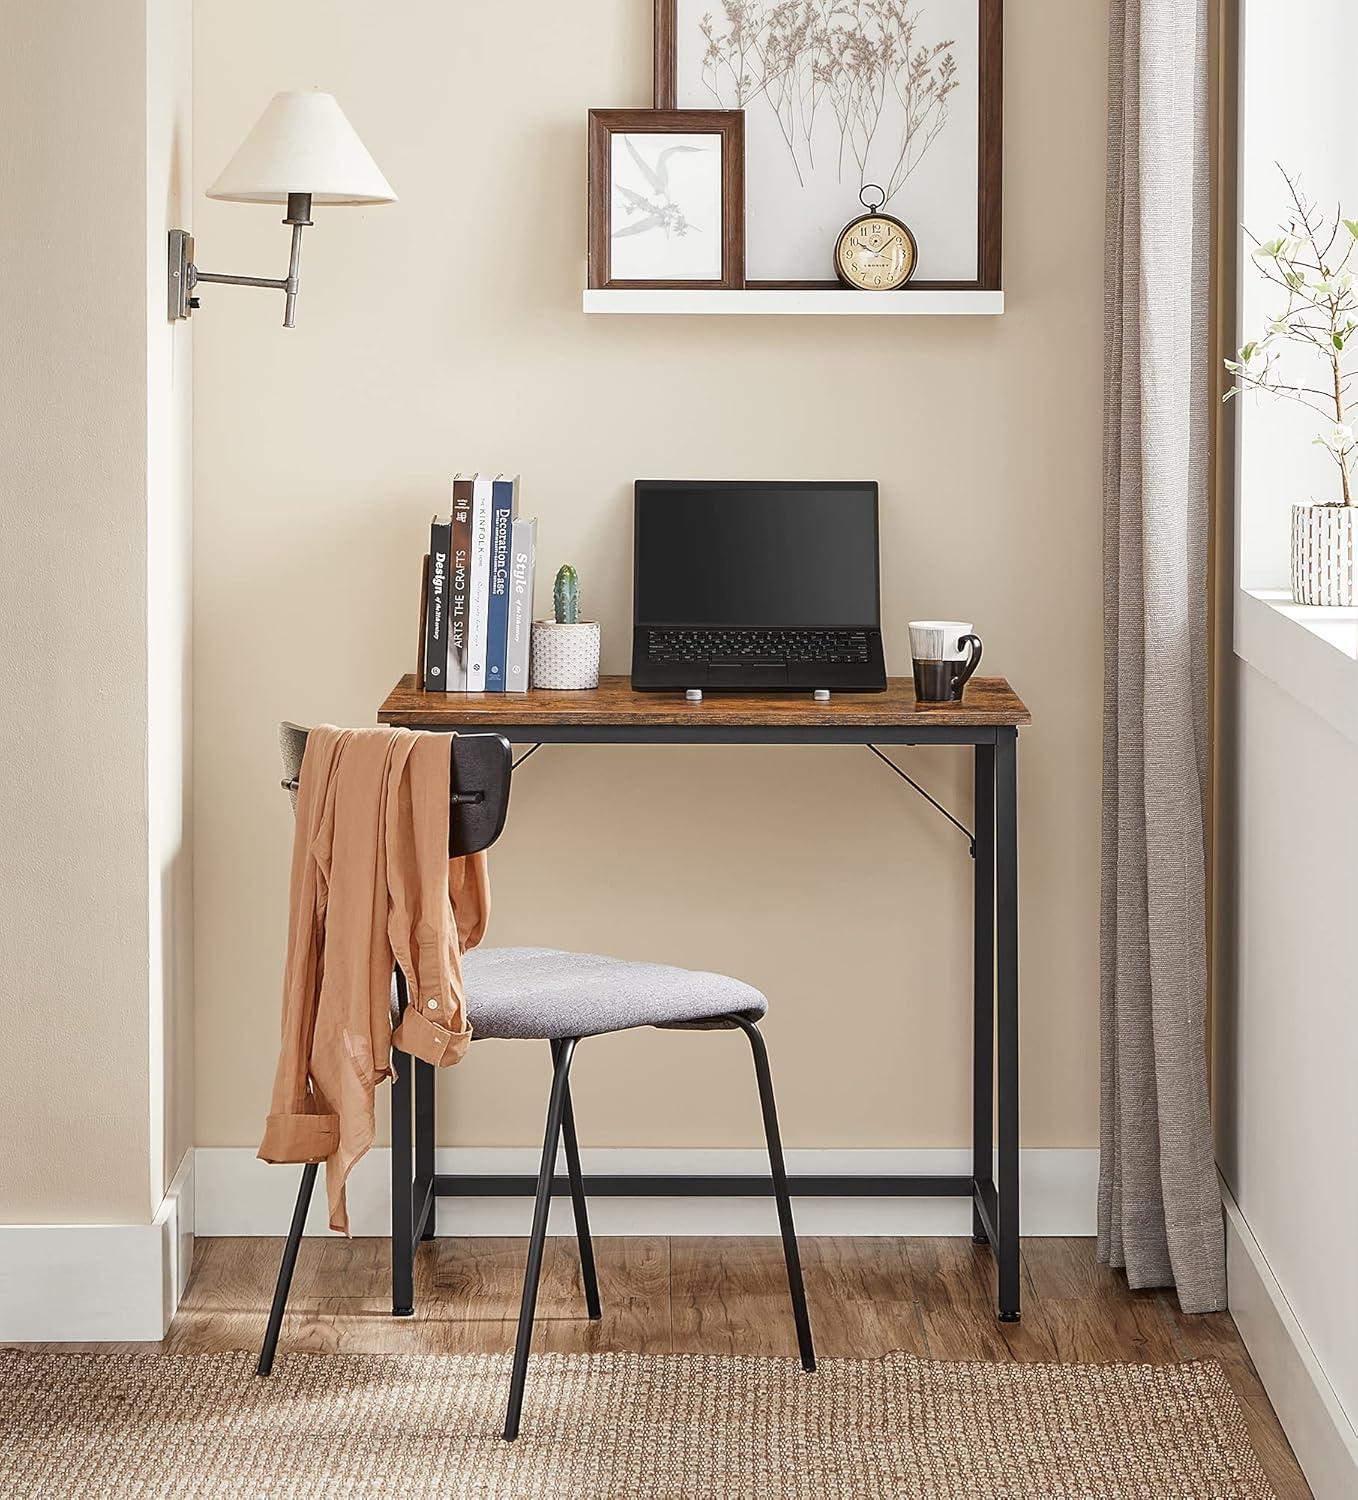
(478, 590)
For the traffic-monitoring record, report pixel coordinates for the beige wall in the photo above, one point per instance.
(93, 931)
(445, 332)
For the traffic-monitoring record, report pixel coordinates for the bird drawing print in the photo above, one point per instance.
(657, 208)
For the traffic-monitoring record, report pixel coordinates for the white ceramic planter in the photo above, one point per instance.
(1324, 546)
(565, 656)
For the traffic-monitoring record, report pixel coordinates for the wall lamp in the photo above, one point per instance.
(301, 152)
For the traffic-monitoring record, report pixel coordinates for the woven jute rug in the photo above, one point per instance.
(148, 1424)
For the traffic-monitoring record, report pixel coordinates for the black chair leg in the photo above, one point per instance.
(588, 1274)
(285, 1269)
(779, 1173)
(564, 1050)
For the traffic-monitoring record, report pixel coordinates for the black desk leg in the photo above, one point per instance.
(1007, 1017)
(402, 1191)
(402, 1178)
(983, 986)
(424, 1201)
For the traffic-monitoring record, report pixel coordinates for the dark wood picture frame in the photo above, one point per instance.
(990, 155)
(729, 124)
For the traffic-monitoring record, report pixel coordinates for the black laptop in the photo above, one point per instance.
(756, 586)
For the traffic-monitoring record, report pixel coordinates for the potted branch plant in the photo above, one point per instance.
(1309, 261)
(566, 649)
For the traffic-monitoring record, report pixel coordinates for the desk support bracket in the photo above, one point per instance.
(933, 802)
(885, 759)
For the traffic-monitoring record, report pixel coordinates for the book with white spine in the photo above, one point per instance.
(478, 584)
(522, 571)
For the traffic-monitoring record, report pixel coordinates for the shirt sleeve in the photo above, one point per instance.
(431, 899)
(302, 1127)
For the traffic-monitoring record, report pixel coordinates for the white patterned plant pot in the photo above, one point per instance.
(565, 656)
(1323, 554)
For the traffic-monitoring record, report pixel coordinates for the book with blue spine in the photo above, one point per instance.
(478, 585)
(504, 509)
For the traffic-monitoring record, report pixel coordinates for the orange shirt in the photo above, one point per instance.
(372, 888)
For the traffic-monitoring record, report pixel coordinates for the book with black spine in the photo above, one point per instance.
(419, 619)
(478, 585)
(523, 555)
(459, 576)
(436, 608)
(504, 508)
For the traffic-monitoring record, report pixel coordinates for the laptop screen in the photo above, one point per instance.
(756, 553)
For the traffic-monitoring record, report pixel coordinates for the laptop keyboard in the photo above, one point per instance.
(758, 647)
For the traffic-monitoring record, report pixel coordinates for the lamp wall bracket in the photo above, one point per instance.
(181, 301)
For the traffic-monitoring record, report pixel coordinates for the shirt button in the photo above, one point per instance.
(433, 1005)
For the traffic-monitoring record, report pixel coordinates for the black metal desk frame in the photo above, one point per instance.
(993, 1183)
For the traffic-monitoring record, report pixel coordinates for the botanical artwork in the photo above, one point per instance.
(838, 94)
(665, 209)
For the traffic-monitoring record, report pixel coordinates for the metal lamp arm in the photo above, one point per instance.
(185, 276)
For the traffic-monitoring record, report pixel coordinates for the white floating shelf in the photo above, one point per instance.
(794, 302)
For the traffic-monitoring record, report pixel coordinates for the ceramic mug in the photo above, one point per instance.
(945, 654)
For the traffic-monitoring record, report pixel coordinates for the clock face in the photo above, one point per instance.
(875, 253)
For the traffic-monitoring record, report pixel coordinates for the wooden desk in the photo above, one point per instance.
(615, 713)
(987, 721)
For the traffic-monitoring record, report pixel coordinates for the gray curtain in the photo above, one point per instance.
(1159, 1204)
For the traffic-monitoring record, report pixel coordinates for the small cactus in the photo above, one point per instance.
(566, 596)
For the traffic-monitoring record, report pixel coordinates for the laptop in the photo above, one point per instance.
(757, 586)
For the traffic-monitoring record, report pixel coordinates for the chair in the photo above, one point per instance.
(539, 994)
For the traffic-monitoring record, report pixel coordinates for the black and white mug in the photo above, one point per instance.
(945, 654)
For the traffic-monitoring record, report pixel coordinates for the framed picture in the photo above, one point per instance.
(837, 94)
(666, 198)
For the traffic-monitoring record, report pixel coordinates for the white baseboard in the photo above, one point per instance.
(239, 1195)
(1321, 1435)
(98, 1282)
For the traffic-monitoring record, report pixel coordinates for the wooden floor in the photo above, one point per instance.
(932, 1297)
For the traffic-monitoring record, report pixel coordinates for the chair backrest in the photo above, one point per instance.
(482, 766)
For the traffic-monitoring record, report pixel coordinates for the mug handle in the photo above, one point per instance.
(973, 645)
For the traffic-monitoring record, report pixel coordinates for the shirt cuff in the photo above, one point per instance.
(420, 1037)
(299, 1138)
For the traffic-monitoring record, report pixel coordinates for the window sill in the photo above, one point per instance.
(1338, 627)
(1311, 652)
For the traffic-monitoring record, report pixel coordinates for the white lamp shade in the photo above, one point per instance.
(302, 143)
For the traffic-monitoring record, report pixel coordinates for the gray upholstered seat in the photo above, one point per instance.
(547, 993)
